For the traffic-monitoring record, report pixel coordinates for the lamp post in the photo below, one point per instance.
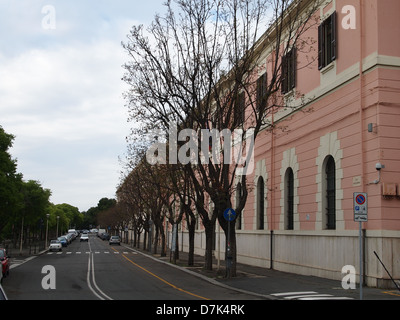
(47, 229)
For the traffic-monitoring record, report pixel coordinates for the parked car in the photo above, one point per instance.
(105, 236)
(84, 237)
(115, 240)
(63, 240)
(68, 237)
(5, 263)
(72, 235)
(55, 245)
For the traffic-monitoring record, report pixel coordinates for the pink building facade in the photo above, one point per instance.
(299, 215)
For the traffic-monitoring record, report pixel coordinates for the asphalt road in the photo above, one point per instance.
(95, 270)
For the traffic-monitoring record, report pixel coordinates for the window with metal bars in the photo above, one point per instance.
(260, 203)
(289, 199)
(330, 175)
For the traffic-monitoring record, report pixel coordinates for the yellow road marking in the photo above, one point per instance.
(392, 293)
(161, 279)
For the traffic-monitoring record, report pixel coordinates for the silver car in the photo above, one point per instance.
(114, 240)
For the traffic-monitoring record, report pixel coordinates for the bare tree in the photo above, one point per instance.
(196, 68)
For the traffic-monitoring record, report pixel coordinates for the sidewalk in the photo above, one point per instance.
(273, 284)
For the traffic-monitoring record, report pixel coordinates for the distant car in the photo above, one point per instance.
(55, 245)
(63, 240)
(115, 240)
(5, 263)
(105, 236)
(84, 237)
(72, 235)
(68, 236)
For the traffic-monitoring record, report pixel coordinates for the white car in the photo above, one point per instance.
(84, 237)
(55, 245)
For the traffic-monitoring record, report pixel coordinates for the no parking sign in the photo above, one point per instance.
(360, 207)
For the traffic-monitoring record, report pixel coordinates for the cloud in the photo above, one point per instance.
(64, 104)
(61, 92)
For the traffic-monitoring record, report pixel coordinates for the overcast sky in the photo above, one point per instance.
(61, 91)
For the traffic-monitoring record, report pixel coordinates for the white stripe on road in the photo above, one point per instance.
(292, 293)
(307, 295)
(91, 270)
(312, 296)
(327, 298)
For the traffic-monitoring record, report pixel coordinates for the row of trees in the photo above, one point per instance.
(25, 206)
(198, 67)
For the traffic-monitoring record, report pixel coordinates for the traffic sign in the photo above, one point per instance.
(360, 207)
(229, 214)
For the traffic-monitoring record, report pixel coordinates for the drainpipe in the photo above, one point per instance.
(361, 98)
(272, 190)
(362, 232)
(271, 264)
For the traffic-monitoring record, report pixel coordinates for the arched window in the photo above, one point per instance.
(289, 199)
(260, 203)
(330, 193)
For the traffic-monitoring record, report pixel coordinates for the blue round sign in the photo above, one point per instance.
(229, 214)
(360, 199)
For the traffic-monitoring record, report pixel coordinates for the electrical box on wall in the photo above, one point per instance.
(389, 189)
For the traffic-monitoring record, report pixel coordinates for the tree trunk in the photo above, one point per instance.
(209, 246)
(155, 242)
(231, 272)
(163, 243)
(191, 228)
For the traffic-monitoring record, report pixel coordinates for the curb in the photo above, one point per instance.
(15, 265)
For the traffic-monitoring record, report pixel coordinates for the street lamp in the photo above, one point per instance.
(47, 229)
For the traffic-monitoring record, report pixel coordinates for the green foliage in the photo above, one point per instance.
(27, 201)
(91, 216)
(69, 217)
(11, 198)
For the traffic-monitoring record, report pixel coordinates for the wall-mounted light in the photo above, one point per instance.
(379, 166)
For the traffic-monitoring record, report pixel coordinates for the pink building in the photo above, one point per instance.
(299, 216)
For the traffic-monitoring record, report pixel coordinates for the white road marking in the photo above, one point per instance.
(307, 295)
(292, 293)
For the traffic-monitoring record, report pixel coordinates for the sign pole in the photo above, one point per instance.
(229, 257)
(360, 215)
(361, 261)
(229, 215)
